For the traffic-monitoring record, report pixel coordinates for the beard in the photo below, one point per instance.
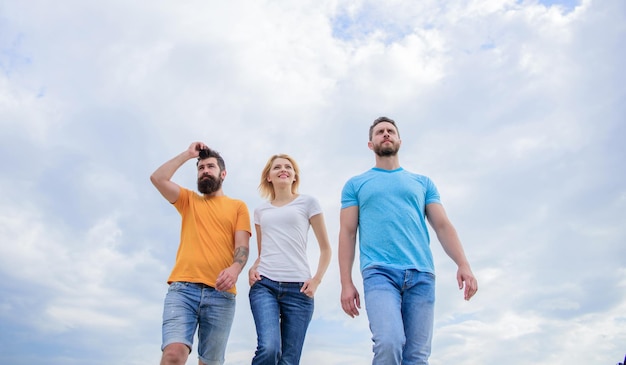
(208, 184)
(386, 151)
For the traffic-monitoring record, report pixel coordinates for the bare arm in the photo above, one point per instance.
(449, 239)
(228, 277)
(319, 228)
(161, 178)
(348, 224)
(242, 249)
(253, 274)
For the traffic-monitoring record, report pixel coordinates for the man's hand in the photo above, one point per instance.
(350, 300)
(227, 279)
(465, 278)
(195, 148)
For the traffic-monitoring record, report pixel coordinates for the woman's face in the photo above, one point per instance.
(281, 172)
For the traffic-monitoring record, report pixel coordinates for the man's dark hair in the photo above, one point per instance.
(380, 120)
(208, 153)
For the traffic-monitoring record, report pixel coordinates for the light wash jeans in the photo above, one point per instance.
(282, 315)
(189, 306)
(400, 308)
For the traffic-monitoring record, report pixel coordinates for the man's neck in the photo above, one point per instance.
(387, 162)
(220, 192)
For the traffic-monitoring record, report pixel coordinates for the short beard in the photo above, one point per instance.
(386, 151)
(209, 185)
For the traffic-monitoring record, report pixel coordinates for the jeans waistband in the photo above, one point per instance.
(284, 283)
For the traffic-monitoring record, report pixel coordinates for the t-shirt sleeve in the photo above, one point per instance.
(432, 194)
(257, 215)
(348, 195)
(313, 207)
(243, 218)
(183, 200)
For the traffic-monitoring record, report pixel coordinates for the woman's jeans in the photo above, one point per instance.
(400, 308)
(281, 315)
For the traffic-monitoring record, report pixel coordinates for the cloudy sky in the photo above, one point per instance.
(515, 108)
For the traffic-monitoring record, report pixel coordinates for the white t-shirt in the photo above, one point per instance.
(284, 232)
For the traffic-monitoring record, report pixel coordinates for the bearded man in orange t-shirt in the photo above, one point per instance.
(213, 250)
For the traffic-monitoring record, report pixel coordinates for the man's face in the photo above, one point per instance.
(385, 140)
(209, 176)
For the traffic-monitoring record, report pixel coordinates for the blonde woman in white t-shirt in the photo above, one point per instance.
(281, 284)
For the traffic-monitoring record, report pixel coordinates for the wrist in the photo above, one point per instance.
(237, 266)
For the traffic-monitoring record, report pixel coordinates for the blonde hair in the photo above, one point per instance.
(266, 188)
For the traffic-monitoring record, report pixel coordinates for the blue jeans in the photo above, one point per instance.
(400, 308)
(189, 306)
(282, 315)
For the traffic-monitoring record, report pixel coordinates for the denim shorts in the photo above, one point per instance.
(191, 306)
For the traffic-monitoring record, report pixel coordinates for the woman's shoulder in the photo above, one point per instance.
(309, 202)
(307, 198)
(265, 205)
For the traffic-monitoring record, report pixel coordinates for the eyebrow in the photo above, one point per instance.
(209, 164)
(385, 129)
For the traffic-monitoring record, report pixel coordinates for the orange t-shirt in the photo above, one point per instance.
(207, 236)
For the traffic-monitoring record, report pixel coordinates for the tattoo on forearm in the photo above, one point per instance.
(241, 255)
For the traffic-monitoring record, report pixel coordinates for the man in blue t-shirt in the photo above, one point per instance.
(389, 207)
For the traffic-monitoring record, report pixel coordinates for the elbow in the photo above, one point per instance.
(348, 237)
(157, 180)
(443, 228)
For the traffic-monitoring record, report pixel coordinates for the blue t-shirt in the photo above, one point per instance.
(392, 217)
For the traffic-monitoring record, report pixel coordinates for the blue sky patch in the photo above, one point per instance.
(568, 5)
(364, 22)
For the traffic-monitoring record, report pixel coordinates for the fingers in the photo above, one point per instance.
(351, 306)
(225, 281)
(350, 300)
(309, 288)
(253, 277)
(198, 146)
(224, 285)
(471, 286)
(195, 147)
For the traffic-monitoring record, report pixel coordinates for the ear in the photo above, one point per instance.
(370, 145)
